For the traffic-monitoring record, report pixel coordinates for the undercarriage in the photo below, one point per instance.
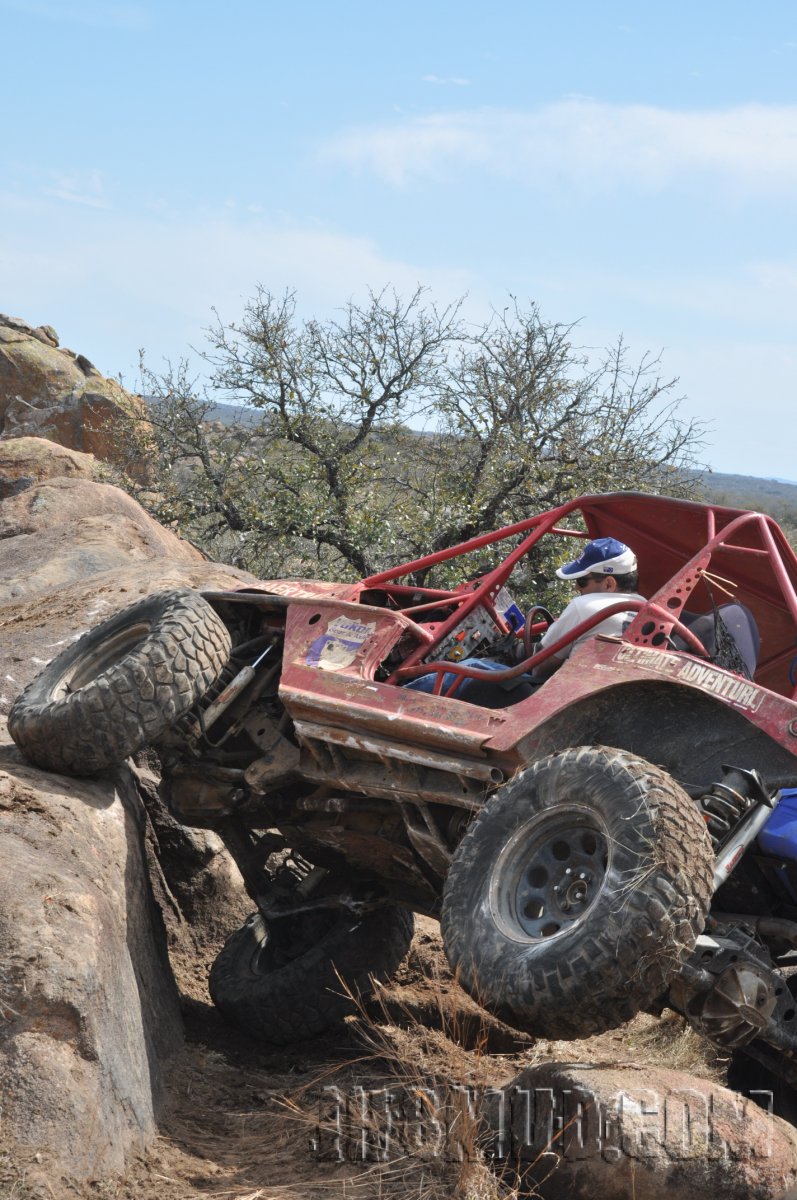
(614, 835)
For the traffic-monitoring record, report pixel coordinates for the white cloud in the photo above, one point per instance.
(456, 80)
(110, 283)
(85, 188)
(597, 145)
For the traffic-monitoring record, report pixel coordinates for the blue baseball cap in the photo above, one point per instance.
(604, 556)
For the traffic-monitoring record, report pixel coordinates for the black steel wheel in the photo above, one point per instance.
(550, 873)
(577, 892)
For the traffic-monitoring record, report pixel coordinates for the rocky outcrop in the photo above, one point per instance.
(72, 552)
(28, 460)
(581, 1130)
(88, 1007)
(90, 1012)
(64, 531)
(48, 391)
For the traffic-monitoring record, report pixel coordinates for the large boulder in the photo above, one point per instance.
(49, 391)
(28, 460)
(72, 552)
(64, 531)
(89, 900)
(575, 1131)
(90, 1012)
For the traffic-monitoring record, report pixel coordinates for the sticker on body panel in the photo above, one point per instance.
(733, 688)
(339, 644)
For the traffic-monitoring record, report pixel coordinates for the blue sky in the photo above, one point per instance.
(628, 165)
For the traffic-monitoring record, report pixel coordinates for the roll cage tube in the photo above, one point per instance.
(655, 621)
(490, 584)
(443, 668)
(678, 589)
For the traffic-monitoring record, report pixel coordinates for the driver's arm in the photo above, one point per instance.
(547, 668)
(562, 625)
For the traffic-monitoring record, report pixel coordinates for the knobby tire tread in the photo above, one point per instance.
(135, 699)
(603, 972)
(303, 998)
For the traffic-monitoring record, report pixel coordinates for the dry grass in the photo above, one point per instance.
(252, 1123)
(671, 1043)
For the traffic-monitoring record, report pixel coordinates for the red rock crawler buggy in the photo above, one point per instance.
(615, 839)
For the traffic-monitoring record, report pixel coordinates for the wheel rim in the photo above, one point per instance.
(281, 942)
(112, 651)
(550, 874)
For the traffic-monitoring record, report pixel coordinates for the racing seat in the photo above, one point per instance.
(730, 635)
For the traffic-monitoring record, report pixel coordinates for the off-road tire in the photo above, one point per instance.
(299, 989)
(639, 842)
(121, 685)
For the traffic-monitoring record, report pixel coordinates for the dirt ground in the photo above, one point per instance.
(308, 1122)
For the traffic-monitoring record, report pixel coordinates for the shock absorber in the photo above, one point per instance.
(735, 809)
(728, 801)
(230, 683)
(187, 725)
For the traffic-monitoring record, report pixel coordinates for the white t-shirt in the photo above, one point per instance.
(580, 609)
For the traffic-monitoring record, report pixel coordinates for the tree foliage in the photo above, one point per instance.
(398, 428)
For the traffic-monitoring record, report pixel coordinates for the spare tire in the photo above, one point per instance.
(577, 892)
(285, 980)
(121, 685)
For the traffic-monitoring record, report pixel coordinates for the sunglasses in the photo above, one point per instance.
(582, 581)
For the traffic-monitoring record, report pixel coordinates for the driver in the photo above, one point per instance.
(604, 572)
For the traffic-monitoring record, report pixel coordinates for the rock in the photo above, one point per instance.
(46, 333)
(89, 1009)
(36, 627)
(72, 551)
(580, 1131)
(88, 1004)
(29, 460)
(47, 391)
(66, 530)
(197, 884)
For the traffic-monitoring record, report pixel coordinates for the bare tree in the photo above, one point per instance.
(396, 429)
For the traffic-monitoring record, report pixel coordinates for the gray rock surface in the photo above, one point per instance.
(49, 391)
(28, 460)
(583, 1131)
(72, 552)
(63, 531)
(89, 1010)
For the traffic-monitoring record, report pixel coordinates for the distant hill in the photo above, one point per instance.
(774, 496)
(778, 497)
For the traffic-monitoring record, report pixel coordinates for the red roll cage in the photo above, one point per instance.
(687, 552)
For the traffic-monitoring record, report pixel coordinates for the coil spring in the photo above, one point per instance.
(723, 808)
(186, 725)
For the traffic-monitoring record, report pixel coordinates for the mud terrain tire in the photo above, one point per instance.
(121, 685)
(577, 892)
(291, 986)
